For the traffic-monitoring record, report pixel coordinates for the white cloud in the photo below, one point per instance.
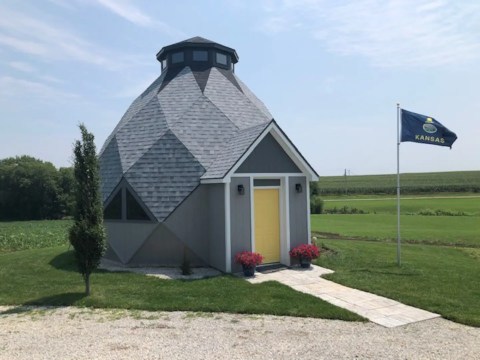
(27, 68)
(135, 88)
(52, 42)
(22, 66)
(11, 87)
(22, 45)
(51, 79)
(387, 33)
(129, 12)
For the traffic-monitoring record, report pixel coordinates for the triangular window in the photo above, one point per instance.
(134, 209)
(114, 209)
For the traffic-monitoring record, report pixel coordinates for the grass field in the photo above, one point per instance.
(443, 280)
(47, 277)
(22, 235)
(381, 222)
(469, 203)
(455, 181)
(442, 230)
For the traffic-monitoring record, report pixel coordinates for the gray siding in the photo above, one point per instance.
(125, 238)
(240, 219)
(216, 215)
(268, 157)
(298, 212)
(186, 227)
(163, 248)
(189, 222)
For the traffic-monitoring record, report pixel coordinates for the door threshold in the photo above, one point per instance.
(269, 268)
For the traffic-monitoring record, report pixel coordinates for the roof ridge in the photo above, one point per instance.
(147, 150)
(243, 85)
(181, 117)
(265, 125)
(123, 120)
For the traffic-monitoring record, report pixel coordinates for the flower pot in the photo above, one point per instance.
(305, 263)
(248, 271)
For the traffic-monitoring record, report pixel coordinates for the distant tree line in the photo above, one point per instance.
(32, 189)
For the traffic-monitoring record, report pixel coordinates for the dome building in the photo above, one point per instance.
(198, 168)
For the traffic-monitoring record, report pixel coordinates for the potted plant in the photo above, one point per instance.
(249, 261)
(305, 253)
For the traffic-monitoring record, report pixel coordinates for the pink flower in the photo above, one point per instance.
(305, 251)
(248, 258)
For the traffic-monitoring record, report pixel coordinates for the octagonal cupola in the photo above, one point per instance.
(197, 53)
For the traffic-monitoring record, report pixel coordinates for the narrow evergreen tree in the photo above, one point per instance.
(87, 234)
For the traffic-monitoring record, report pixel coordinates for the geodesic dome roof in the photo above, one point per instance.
(193, 122)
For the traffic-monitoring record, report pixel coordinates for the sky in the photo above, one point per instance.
(330, 72)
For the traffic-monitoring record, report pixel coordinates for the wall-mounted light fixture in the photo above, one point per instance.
(298, 188)
(241, 189)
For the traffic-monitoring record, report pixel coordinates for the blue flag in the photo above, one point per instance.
(426, 130)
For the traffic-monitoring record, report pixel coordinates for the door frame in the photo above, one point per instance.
(284, 212)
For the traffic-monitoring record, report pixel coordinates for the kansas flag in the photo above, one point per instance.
(426, 130)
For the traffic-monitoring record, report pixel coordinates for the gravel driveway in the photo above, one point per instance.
(75, 333)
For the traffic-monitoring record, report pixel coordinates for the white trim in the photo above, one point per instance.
(287, 219)
(286, 145)
(252, 217)
(285, 193)
(249, 150)
(293, 153)
(284, 213)
(309, 231)
(228, 240)
(213, 181)
(266, 175)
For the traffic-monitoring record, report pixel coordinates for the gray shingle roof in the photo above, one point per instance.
(186, 126)
(165, 175)
(110, 167)
(232, 102)
(232, 150)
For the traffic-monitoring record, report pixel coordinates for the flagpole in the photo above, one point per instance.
(399, 262)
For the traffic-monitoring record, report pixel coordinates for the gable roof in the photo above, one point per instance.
(244, 143)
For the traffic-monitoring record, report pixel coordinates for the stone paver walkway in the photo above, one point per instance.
(380, 310)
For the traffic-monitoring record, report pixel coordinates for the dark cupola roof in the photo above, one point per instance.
(194, 52)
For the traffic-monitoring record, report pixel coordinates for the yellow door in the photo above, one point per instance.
(267, 224)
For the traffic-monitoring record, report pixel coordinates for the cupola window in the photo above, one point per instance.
(221, 59)
(200, 55)
(178, 57)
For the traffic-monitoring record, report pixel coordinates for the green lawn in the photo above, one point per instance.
(469, 203)
(47, 277)
(446, 230)
(444, 280)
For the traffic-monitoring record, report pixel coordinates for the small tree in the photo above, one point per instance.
(87, 234)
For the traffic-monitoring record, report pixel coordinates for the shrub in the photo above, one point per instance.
(316, 205)
(441, 212)
(345, 210)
